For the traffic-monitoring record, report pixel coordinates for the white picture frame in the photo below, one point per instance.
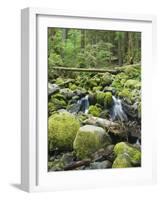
(34, 174)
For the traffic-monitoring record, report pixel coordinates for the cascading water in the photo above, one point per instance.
(117, 110)
(84, 104)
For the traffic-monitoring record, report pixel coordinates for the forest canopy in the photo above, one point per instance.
(92, 48)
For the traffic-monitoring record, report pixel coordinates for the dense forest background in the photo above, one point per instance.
(92, 48)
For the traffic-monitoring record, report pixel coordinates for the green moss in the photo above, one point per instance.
(91, 83)
(133, 72)
(72, 86)
(104, 98)
(62, 129)
(106, 79)
(58, 104)
(59, 81)
(132, 84)
(133, 153)
(98, 88)
(56, 165)
(119, 81)
(94, 110)
(122, 161)
(51, 108)
(86, 144)
(126, 94)
(88, 140)
(108, 99)
(58, 96)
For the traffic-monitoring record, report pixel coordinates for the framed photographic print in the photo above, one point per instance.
(86, 101)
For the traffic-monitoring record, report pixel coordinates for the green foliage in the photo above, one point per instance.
(91, 48)
(94, 110)
(54, 60)
(62, 129)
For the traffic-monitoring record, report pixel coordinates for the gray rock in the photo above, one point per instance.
(74, 108)
(52, 88)
(67, 93)
(67, 158)
(101, 165)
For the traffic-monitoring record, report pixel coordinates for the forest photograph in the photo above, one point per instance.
(94, 99)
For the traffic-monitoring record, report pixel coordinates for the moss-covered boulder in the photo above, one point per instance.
(59, 81)
(58, 103)
(62, 129)
(106, 79)
(98, 88)
(94, 110)
(88, 140)
(122, 161)
(132, 84)
(133, 153)
(92, 83)
(126, 95)
(72, 86)
(67, 93)
(132, 72)
(104, 98)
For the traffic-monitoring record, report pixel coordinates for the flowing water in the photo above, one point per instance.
(117, 110)
(84, 104)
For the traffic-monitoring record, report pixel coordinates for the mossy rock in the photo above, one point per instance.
(59, 81)
(119, 82)
(132, 84)
(104, 98)
(106, 79)
(92, 83)
(94, 110)
(58, 104)
(89, 139)
(72, 86)
(126, 94)
(133, 153)
(62, 129)
(98, 88)
(51, 108)
(58, 96)
(56, 165)
(122, 161)
(67, 93)
(132, 72)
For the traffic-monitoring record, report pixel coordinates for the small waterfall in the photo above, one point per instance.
(117, 110)
(84, 104)
(138, 142)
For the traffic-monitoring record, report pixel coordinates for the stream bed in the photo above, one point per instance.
(94, 120)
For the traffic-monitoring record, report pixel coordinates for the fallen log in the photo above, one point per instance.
(115, 69)
(77, 164)
(112, 71)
